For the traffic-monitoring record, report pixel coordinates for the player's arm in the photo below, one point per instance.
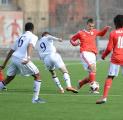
(74, 40)
(109, 47)
(103, 31)
(55, 38)
(29, 51)
(13, 48)
(30, 48)
(7, 59)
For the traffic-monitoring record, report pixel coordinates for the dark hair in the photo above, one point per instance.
(29, 26)
(90, 20)
(45, 33)
(118, 21)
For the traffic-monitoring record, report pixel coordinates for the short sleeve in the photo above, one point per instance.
(33, 40)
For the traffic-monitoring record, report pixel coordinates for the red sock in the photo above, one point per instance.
(84, 81)
(92, 76)
(1, 75)
(107, 86)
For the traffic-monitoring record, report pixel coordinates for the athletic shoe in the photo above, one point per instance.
(79, 85)
(71, 89)
(39, 100)
(4, 88)
(101, 101)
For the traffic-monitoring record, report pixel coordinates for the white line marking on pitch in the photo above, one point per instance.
(60, 94)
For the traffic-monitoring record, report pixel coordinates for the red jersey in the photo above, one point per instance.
(88, 39)
(115, 44)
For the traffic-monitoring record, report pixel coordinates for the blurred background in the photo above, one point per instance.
(62, 18)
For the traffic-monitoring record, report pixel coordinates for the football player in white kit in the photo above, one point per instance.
(52, 60)
(21, 63)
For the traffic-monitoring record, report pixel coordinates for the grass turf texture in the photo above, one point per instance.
(15, 104)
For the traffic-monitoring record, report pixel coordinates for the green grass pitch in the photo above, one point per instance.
(15, 104)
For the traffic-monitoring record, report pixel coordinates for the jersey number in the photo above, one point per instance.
(43, 46)
(120, 42)
(20, 41)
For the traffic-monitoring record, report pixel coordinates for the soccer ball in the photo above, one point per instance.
(94, 86)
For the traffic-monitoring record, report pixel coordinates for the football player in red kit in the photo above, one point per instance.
(86, 38)
(115, 45)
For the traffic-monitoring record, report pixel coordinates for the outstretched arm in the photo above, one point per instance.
(7, 59)
(103, 31)
(55, 38)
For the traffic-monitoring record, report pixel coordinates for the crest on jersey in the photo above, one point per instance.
(92, 33)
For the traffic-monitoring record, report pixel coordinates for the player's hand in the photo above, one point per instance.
(60, 40)
(25, 61)
(78, 42)
(108, 27)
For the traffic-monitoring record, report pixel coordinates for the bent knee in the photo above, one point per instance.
(92, 68)
(37, 76)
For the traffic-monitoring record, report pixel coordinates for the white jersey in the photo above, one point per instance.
(45, 46)
(21, 44)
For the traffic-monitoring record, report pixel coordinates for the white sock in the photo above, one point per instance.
(67, 79)
(57, 82)
(37, 84)
(1, 85)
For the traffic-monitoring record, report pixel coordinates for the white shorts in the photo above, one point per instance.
(114, 69)
(16, 67)
(87, 58)
(53, 61)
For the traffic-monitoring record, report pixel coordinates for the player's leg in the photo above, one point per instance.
(88, 60)
(56, 80)
(90, 78)
(107, 86)
(67, 79)
(36, 89)
(1, 75)
(92, 72)
(2, 78)
(113, 72)
(82, 82)
(11, 73)
(50, 65)
(6, 81)
(62, 67)
(31, 69)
